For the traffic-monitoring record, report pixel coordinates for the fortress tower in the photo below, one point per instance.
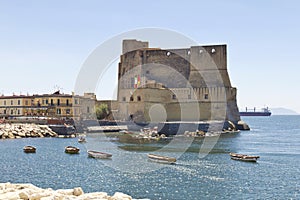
(189, 84)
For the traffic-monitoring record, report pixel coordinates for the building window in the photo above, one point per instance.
(173, 96)
(139, 98)
(88, 109)
(58, 102)
(47, 101)
(11, 112)
(58, 111)
(11, 102)
(4, 112)
(18, 112)
(124, 99)
(206, 96)
(76, 101)
(131, 98)
(51, 102)
(67, 102)
(68, 111)
(19, 102)
(5, 103)
(26, 103)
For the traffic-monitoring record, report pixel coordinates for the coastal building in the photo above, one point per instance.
(190, 84)
(15, 105)
(54, 105)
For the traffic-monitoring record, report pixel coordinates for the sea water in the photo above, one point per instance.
(196, 175)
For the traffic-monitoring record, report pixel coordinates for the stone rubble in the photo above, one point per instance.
(9, 191)
(18, 130)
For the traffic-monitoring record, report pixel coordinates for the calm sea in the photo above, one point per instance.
(196, 175)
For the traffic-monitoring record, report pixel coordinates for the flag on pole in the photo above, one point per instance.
(138, 80)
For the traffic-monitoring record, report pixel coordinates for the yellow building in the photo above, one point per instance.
(12, 106)
(55, 105)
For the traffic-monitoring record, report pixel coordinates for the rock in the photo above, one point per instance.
(11, 135)
(24, 195)
(78, 191)
(14, 132)
(120, 196)
(65, 192)
(241, 125)
(94, 195)
(22, 134)
(10, 196)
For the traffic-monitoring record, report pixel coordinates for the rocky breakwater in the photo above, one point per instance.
(10, 191)
(18, 130)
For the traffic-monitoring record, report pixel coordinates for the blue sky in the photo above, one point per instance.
(45, 43)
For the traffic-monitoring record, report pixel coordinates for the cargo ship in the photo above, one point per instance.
(253, 112)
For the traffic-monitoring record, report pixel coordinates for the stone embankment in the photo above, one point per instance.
(18, 130)
(10, 191)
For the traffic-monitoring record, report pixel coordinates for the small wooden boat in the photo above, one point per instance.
(161, 159)
(71, 150)
(29, 149)
(243, 157)
(97, 154)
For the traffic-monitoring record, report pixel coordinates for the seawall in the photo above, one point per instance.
(21, 130)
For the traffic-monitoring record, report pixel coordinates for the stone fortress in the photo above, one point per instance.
(175, 85)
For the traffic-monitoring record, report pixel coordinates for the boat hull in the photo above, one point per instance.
(255, 113)
(243, 157)
(29, 149)
(72, 150)
(99, 155)
(161, 159)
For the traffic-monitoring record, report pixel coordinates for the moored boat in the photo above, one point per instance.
(29, 149)
(81, 139)
(71, 150)
(161, 159)
(98, 154)
(243, 157)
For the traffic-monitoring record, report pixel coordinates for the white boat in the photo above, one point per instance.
(243, 157)
(161, 159)
(98, 154)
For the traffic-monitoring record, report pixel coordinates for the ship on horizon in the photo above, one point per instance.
(253, 112)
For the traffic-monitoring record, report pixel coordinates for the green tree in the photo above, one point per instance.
(102, 111)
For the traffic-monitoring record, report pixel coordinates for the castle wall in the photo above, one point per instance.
(180, 80)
